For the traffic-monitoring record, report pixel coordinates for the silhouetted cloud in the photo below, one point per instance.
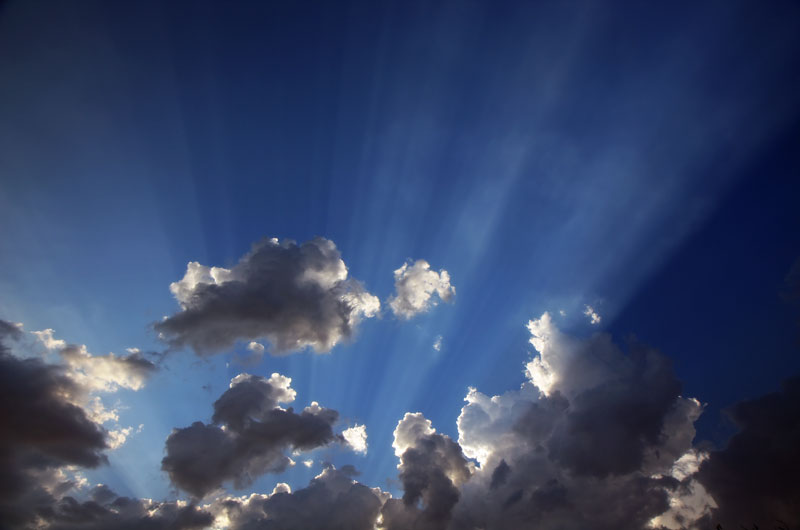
(332, 501)
(415, 284)
(432, 467)
(754, 479)
(294, 296)
(249, 436)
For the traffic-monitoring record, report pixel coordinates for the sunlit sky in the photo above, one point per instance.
(640, 159)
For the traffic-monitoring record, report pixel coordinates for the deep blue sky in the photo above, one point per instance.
(642, 158)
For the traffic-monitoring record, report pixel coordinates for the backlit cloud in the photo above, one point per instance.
(250, 436)
(415, 286)
(294, 296)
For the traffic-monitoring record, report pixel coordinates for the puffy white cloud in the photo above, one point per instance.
(415, 284)
(294, 296)
(255, 347)
(46, 338)
(356, 438)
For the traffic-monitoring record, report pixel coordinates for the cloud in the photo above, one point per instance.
(249, 436)
(437, 344)
(754, 479)
(333, 500)
(356, 438)
(590, 440)
(41, 430)
(594, 317)
(105, 509)
(294, 296)
(432, 467)
(415, 286)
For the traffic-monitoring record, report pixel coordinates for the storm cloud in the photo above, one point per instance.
(248, 437)
(294, 296)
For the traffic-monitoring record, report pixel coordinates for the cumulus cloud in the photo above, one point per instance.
(250, 436)
(332, 501)
(754, 478)
(432, 467)
(415, 285)
(51, 420)
(356, 438)
(294, 296)
(589, 440)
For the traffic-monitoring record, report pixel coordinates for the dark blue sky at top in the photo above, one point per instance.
(639, 157)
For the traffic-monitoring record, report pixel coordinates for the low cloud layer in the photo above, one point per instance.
(294, 296)
(415, 286)
(250, 436)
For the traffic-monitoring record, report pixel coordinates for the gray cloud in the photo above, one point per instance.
(294, 296)
(589, 441)
(432, 467)
(41, 430)
(249, 437)
(332, 501)
(104, 510)
(754, 479)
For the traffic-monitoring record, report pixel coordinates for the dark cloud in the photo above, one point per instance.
(332, 501)
(432, 467)
(754, 480)
(249, 437)
(105, 510)
(589, 441)
(295, 296)
(41, 430)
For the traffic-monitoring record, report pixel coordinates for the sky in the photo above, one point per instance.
(516, 264)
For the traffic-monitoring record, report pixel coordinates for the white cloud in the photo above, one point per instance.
(356, 438)
(437, 344)
(45, 336)
(415, 286)
(256, 348)
(594, 317)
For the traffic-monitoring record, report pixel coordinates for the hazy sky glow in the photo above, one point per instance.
(399, 265)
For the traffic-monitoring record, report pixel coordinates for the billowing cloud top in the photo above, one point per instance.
(415, 286)
(294, 296)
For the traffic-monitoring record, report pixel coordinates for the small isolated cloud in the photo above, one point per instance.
(356, 438)
(437, 344)
(256, 348)
(415, 284)
(594, 317)
(249, 436)
(294, 296)
(309, 463)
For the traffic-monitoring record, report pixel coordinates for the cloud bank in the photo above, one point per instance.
(294, 296)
